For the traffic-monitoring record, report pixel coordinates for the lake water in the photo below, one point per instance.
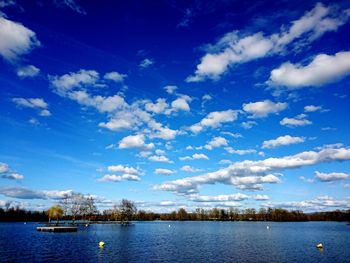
(181, 242)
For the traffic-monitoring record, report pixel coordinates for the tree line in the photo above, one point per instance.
(76, 206)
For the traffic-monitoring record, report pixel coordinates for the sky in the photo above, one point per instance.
(175, 103)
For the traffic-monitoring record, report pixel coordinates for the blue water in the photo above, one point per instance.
(181, 242)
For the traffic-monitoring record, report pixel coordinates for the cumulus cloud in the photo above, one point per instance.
(158, 107)
(321, 70)
(181, 103)
(216, 142)
(65, 83)
(234, 49)
(196, 156)
(170, 89)
(234, 135)
(190, 169)
(319, 203)
(261, 197)
(162, 171)
(119, 178)
(160, 159)
(282, 141)
(28, 71)
(121, 173)
(34, 103)
(248, 124)
(313, 108)
(329, 177)
(16, 40)
(299, 120)
(261, 109)
(239, 152)
(121, 115)
(214, 120)
(7, 173)
(253, 174)
(124, 169)
(26, 193)
(218, 198)
(135, 141)
(161, 106)
(146, 63)
(115, 76)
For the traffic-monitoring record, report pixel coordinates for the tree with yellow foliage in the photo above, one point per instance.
(55, 212)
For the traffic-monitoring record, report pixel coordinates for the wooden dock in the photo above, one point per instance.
(57, 229)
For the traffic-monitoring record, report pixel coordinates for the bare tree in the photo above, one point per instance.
(127, 210)
(76, 204)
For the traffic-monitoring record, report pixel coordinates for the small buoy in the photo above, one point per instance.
(267, 227)
(319, 245)
(169, 225)
(101, 244)
(25, 223)
(86, 225)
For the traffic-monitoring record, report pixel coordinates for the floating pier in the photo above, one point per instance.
(57, 229)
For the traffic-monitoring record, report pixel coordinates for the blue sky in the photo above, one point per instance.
(176, 104)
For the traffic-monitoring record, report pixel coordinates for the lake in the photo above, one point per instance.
(179, 242)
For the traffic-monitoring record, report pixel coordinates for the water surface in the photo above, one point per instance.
(179, 242)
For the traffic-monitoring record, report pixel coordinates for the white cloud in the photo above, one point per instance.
(121, 115)
(313, 108)
(163, 171)
(225, 161)
(306, 180)
(119, 178)
(299, 120)
(65, 83)
(34, 103)
(159, 107)
(239, 152)
(322, 69)
(261, 197)
(115, 76)
(253, 174)
(123, 169)
(181, 103)
(170, 89)
(234, 135)
(4, 168)
(28, 71)
(207, 97)
(282, 141)
(16, 39)
(189, 169)
(214, 120)
(160, 159)
(320, 203)
(218, 198)
(329, 177)
(146, 63)
(248, 124)
(7, 173)
(26, 193)
(196, 156)
(216, 142)
(135, 141)
(72, 5)
(262, 109)
(232, 49)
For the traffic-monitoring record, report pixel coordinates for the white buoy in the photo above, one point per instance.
(169, 225)
(267, 227)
